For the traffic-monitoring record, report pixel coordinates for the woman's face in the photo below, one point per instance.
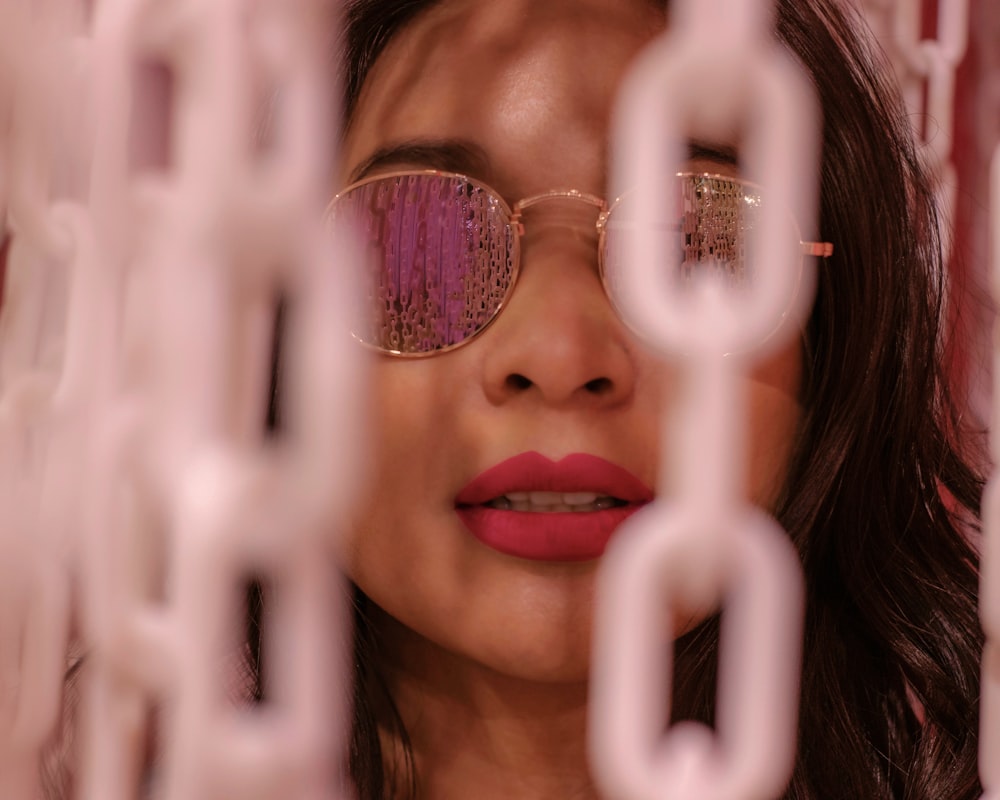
(518, 94)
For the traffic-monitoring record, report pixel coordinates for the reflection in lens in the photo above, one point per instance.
(440, 259)
(711, 236)
(716, 218)
(712, 239)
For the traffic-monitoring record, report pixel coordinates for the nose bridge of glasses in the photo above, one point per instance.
(557, 195)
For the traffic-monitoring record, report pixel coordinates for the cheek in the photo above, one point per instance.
(407, 447)
(425, 423)
(773, 418)
(772, 413)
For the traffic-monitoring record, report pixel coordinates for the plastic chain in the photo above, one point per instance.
(226, 223)
(700, 544)
(926, 69)
(40, 445)
(989, 586)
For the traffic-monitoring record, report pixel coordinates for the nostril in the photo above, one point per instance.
(518, 382)
(598, 386)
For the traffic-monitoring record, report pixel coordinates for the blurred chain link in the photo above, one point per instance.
(154, 234)
(925, 68)
(989, 589)
(41, 57)
(148, 253)
(701, 544)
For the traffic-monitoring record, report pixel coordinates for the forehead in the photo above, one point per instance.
(531, 82)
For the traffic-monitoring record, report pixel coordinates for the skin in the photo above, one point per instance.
(487, 655)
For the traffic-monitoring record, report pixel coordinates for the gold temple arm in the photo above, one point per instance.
(819, 249)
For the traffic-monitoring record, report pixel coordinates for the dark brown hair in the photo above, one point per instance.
(881, 498)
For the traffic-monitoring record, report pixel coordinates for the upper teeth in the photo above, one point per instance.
(552, 501)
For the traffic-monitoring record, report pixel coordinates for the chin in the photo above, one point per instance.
(546, 657)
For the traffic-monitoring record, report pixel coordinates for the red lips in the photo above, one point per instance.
(550, 536)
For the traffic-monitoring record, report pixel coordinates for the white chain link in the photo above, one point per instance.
(701, 544)
(134, 353)
(989, 588)
(39, 453)
(925, 69)
(131, 413)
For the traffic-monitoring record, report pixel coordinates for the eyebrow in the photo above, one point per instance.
(468, 158)
(448, 155)
(713, 152)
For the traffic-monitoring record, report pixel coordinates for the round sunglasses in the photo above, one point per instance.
(442, 250)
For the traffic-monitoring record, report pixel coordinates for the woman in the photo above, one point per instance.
(472, 643)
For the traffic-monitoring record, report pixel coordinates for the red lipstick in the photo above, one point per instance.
(550, 535)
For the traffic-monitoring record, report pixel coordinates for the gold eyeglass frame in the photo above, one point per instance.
(514, 213)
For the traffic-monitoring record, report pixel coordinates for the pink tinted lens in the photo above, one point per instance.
(441, 255)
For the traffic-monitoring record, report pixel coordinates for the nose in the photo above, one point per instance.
(558, 341)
